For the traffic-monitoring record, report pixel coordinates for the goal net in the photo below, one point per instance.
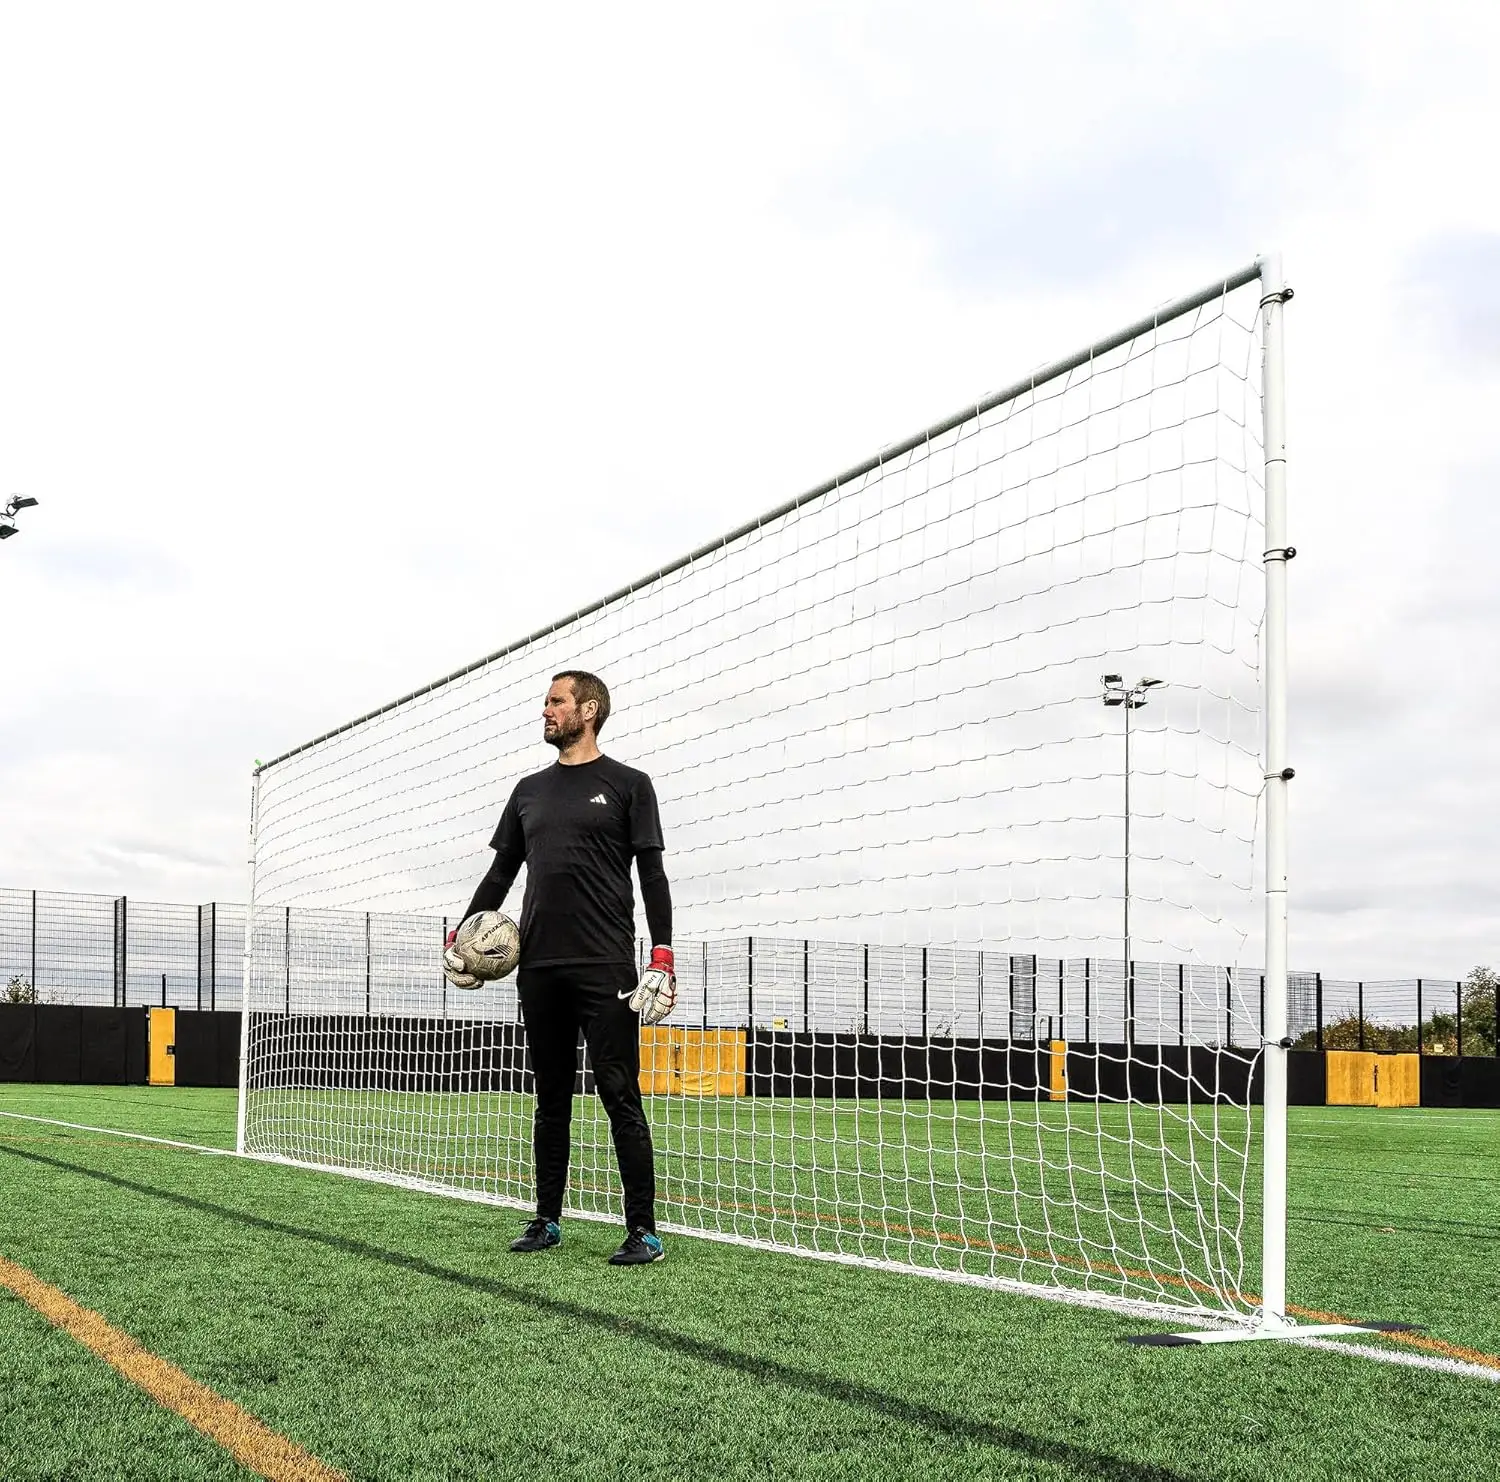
(934, 1014)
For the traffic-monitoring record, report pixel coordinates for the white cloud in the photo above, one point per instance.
(342, 346)
(1453, 284)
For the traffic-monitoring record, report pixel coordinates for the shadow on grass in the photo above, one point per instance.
(1079, 1461)
(1397, 1223)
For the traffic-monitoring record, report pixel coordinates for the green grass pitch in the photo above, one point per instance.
(391, 1334)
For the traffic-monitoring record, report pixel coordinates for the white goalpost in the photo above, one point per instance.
(972, 769)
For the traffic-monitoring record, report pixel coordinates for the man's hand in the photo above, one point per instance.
(655, 995)
(453, 965)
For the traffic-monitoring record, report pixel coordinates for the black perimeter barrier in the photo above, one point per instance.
(69, 1044)
(208, 1048)
(435, 1056)
(790, 1064)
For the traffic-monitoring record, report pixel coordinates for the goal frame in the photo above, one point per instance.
(1271, 1319)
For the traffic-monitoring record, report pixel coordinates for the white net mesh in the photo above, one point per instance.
(894, 806)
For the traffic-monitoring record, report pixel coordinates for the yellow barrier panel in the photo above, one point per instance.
(1058, 1084)
(692, 1062)
(1351, 1078)
(1365, 1078)
(1398, 1080)
(162, 1066)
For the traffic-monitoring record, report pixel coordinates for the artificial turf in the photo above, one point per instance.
(1142, 1201)
(390, 1334)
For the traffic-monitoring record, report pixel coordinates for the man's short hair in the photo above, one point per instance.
(588, 686)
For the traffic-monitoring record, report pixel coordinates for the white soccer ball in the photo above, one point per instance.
(489, 945)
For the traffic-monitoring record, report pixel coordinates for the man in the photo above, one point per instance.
(577, 826)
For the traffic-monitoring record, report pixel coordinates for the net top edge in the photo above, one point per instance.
(1165, 314)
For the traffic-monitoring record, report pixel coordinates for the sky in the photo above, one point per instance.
(344, 344)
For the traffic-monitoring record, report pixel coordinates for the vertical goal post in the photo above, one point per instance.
(892, 782)
(1274, 294)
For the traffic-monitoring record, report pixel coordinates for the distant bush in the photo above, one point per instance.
(1479, 1011)
(19, 990)
(1344, 1034)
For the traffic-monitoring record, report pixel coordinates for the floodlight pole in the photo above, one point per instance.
(1133, 698)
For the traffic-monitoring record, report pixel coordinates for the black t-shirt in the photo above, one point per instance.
(577, 830)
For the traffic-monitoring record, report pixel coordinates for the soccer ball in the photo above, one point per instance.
(489, 945)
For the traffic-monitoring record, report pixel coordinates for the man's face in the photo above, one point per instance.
(562, 722)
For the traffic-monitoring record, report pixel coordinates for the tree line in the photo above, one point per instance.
(1439, 1030)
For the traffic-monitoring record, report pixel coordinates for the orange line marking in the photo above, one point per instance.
(252, 1444)
(1250, 1299)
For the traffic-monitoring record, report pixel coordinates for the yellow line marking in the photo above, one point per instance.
(252, 1444)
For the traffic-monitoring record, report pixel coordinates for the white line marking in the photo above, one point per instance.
(1431, 1363)
(1408, 1360)
(169, 1142)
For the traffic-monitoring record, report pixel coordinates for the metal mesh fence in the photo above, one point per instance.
(95, 949)
(60, 947)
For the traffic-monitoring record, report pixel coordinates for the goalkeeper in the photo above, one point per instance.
(576, 826)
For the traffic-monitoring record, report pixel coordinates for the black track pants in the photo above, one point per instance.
(556, 1002)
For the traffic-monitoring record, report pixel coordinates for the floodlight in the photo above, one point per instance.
(23, 501)
(6, 531)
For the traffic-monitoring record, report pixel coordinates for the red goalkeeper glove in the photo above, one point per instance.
(655, 995)
(453, 965)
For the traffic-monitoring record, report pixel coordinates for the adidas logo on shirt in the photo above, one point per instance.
(599, 797)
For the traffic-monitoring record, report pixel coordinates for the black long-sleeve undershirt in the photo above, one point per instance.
(492, 890)
(656, 892)
(656, 896)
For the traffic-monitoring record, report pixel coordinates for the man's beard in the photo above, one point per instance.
(565, 733)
